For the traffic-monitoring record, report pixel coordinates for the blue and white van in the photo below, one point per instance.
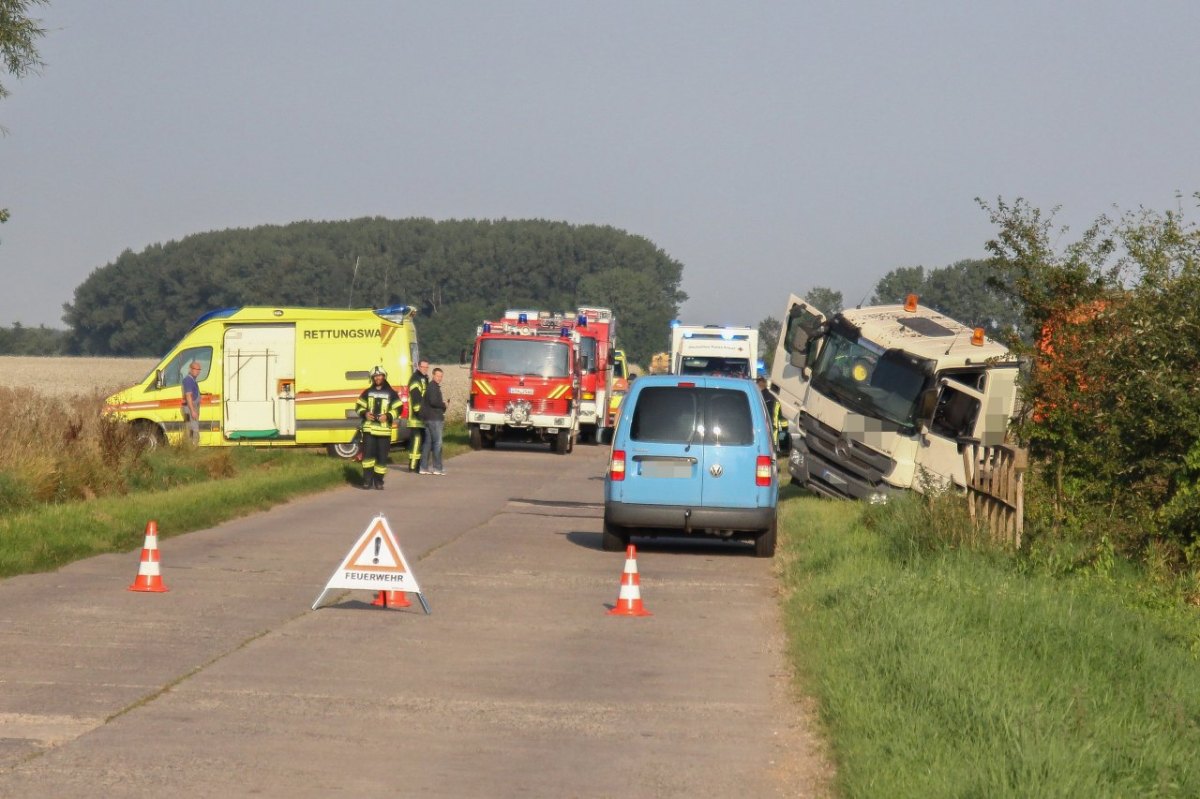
(692, 455)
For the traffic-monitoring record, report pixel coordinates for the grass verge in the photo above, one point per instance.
(956, 673)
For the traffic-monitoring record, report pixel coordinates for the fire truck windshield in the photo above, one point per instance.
(524, 357)
(885, 384)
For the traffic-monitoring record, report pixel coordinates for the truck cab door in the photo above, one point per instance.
(800, 337)
(957, 416)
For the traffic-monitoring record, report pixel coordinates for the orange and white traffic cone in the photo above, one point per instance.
(148, 577)
(392, 599)
(629, 601)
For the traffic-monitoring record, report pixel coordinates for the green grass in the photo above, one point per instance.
(952, 672)
(181, 489)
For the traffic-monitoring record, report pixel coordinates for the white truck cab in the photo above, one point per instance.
(885, 397)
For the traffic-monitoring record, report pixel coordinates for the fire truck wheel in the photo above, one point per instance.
(489, 440)
(562, 442)
(475, 436)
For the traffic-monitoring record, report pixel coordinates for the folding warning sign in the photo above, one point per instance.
(375, 563)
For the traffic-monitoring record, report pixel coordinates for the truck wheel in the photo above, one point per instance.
(348, 451)
(614, 539)
(764, 544)
(475, 436)
(489, 439)
(562, 442)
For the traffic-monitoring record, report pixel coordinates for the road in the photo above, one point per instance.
(518, 684)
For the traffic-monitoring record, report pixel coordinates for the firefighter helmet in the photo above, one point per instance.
(379, 370)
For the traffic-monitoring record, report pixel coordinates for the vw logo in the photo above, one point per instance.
(716, 470)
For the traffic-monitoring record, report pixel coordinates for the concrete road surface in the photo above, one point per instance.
(517, 685)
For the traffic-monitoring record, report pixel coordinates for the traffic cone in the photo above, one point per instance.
(392, 599)
(629, 601)
(148, 577)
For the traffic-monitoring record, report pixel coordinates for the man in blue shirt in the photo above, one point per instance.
(191, 402)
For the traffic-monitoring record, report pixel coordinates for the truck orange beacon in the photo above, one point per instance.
(525, 381)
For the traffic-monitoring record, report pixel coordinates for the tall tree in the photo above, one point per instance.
(19, 33)
(826, 300)
(768, 339)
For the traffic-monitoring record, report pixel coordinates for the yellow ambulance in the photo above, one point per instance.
(276, 377)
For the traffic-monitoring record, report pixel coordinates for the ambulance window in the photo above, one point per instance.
(173, 373)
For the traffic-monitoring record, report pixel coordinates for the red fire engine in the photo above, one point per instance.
(596, 328)
(525, 381)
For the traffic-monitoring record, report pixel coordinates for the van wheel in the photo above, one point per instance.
(475, 436)
(764, 543)
(348, 451)
(613, 539)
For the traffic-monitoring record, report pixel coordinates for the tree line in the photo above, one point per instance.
(455, 273)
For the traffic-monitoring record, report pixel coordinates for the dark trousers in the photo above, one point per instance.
(375, 453)
(415, 436)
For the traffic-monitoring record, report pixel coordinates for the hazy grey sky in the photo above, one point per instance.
(769, 147)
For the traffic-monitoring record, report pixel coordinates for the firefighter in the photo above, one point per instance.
(416, 428)
(378, 407)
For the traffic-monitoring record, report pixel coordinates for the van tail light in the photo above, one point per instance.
(762, 470)
(616, 466)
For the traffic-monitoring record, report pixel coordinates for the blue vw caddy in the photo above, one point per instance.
(692, 455)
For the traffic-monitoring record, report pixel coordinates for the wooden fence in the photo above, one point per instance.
(996, 489)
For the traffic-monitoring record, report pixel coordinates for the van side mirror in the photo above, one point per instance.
(158, 379)
(632, 377)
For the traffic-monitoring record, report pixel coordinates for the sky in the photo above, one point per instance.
(770, 147)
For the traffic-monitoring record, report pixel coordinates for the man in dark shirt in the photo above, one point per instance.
(433, 415)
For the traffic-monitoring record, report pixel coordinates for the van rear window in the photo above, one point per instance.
(673, 414)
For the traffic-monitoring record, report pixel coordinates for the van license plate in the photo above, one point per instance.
(677, 469)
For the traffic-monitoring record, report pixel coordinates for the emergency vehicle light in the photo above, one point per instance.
(977, 337)
(522, 318)
(564, 331)
(582, 321)
(727, 336)
(674, 323)
(487, 327)
(910, 303)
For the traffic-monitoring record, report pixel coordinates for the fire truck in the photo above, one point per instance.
(596, 328)
(525, 381)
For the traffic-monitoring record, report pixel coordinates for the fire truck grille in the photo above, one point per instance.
(497, 405)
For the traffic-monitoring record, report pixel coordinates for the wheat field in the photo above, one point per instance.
(89, 377)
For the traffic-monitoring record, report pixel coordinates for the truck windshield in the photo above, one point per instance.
(885, 384)
(525, 356)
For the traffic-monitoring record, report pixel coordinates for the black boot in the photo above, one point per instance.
(379, 482)
(368, 480)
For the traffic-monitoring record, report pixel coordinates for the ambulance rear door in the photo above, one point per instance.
(260, 382)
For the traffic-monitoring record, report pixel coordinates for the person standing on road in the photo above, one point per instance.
(378, 407)
(416, 397)
(433, 415)
(191, 402)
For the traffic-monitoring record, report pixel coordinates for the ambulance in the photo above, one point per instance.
(276, 377)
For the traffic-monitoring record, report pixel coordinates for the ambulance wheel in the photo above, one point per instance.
(475, 436)
(562, 442)
(764, 544)
(613, 539)
(348, 451)
(148, 434)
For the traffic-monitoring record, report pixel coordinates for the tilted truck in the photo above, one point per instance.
(525, 381)
(276, 377)
(884, 398)
(714, 350)
(596, 328)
